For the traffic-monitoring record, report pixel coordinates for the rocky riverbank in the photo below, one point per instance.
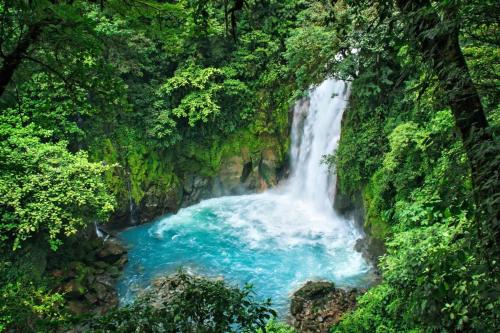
(88, 279)
(317, 306)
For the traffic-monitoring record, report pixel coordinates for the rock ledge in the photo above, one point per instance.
(317, 306)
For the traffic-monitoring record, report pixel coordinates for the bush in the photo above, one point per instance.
(27, 303)
(189, 304)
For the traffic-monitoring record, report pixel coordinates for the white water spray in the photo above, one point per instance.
(275, 240)
(315, 133)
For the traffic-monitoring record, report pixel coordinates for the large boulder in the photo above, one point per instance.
(317, 306)
(157, 201)
(195, 188)
(229, 179)
(111, 251)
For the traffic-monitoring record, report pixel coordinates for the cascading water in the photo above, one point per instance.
(315, 133)
(275, 240)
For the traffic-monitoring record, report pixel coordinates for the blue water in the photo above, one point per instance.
(275, 240)
(271, 240)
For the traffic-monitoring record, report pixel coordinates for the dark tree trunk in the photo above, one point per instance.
(238, 5)
(444, 53)
(12, 60)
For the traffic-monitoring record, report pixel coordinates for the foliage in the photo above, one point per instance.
(26, 300)
(44, 189)
(197, 305)
(198, 95)
(152, 91)
(401, 152)
(274, 326)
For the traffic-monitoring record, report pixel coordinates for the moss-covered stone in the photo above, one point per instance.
(316, 306)
(148, 182)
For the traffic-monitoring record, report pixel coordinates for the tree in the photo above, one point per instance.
(46, 191)
(438, 41)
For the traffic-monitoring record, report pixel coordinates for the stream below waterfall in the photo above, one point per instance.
(275, 240)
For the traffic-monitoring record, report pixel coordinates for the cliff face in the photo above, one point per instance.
(354, 193)
(148, 183)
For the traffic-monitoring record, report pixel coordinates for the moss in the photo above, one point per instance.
(138, 166)
(375, 224)
(204, 158)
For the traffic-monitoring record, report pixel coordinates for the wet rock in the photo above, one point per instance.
(316, 306)
(105, 280)
(91, 298)
(121, 262)
(85, 270)
(111, 251)
(90, 278)
(268, 166)
(73, 289)
(77, 307)
(230, 173)
(113, 272)
(195, 188)
(158, 200)
(371, 248)
(101, 291)
(253, 181)
(100, 264)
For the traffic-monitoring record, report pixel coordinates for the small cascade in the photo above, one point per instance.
(131, 205)
(98, 231)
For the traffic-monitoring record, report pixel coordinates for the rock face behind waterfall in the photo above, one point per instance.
(246, 167)
(316, 306)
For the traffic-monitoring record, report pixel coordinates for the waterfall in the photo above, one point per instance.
(315, 133)
(98, 231)
(275, 240)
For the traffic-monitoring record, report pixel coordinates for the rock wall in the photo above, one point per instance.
(243, 165)
(356, 207)
(238, 174)
(372, 248)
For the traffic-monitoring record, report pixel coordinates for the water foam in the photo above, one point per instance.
(275, 240)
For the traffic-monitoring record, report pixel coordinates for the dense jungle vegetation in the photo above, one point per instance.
(106, 103)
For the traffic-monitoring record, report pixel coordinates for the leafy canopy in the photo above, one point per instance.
(44, 189)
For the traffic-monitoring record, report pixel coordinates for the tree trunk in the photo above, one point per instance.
(12, 60)
(449, 64)
(447, 60)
